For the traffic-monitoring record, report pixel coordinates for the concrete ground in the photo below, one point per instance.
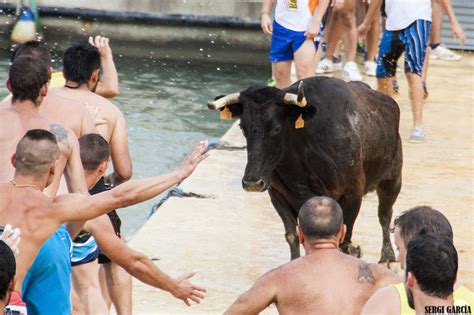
(232, 237)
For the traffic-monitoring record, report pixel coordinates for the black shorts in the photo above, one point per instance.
(113, 216)
(116, 223)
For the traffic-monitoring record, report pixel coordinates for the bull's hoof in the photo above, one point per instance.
(352, 249)
(387, 255)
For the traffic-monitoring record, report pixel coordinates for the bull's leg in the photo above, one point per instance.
(288, 216)
(387, 192)
(350, 205)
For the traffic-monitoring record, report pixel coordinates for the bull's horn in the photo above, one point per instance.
(224, 101)
(296, 99)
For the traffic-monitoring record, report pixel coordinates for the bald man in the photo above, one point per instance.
(325, 281)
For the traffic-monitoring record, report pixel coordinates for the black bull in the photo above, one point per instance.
(322, 137)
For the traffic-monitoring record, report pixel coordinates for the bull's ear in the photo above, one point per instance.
(230, 111)
(299, 115)
(229, 106)
(236, 109)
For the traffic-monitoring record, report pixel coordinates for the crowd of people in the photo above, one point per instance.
(304, 30)
(58, 133)
(61, 247)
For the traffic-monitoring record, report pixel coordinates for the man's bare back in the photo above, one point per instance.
(26, 208)
(108, 119)
(68, 108)
(327, 282)
(15, 122)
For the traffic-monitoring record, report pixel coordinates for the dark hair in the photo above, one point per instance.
(27, 76)
(94, 151)
(320, 217)
(80, 61)
(7, 268)
(33, 49)
(433, 260)
(422, 218)
(35, 152)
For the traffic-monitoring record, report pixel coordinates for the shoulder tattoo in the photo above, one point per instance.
(365, 274)
(60, 133)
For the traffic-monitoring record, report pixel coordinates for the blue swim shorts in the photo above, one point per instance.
(286, 42)
(84, 250)
(413, 40)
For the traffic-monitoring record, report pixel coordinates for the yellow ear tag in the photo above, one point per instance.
(226, 114)
(299, 123)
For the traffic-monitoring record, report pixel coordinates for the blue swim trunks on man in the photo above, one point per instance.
(47, 285)
(413, 40)
(285, 43)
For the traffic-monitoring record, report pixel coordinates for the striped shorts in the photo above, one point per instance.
(413, 40)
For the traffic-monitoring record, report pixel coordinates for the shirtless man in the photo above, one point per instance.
(325, 281)
(95, 154)
(23, 204)
(28, 82)
(81, 68)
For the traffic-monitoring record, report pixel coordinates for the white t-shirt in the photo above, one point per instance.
(294, 15)
(401, 13)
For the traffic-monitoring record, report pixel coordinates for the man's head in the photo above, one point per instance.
(95, 154)
(28, 80)
(81, 64)
(34, 49)
(410, 223)
(36, 155)
(7, 271)
(320, 218)
(431, 267)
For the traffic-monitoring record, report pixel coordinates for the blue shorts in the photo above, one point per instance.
(413, 40)
(84, 251)
(286, 42)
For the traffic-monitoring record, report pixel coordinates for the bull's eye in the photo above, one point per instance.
(275, 131)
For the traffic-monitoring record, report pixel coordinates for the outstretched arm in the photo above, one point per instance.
(109, 85)
(75, 207)
(138, 265)
(257, 298)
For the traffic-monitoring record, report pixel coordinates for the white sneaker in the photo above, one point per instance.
(370, 67)
(444, 53)
(325, 66)
(351, 72)
(417, 135)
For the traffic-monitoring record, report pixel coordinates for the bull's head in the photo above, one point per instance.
(269, 117)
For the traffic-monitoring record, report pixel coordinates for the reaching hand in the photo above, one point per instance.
(187, 291)
(266, 24)
(102, 44)
(363, 29)
(12, 238)
(457, 31)
(194, 158)
(313, 29)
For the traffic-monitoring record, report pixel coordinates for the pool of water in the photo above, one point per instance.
(164, 102)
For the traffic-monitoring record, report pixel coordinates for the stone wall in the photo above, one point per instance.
(246, 9)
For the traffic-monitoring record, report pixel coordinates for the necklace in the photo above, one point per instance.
(72, 87)
(24, 185)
